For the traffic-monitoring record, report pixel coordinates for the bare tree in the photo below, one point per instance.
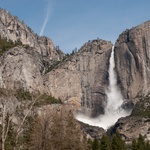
(8, 107)
(34, 100)
(40, 135)
(57, 129)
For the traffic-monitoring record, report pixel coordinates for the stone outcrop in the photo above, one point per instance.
(22, 68)
(83, 77)
(137, 123)
(92, 132)
(130, 127)
(12, 29)
(132, 58)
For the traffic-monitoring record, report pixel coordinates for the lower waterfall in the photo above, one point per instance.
(113, 109)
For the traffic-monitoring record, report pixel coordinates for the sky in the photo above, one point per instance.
(71, 23)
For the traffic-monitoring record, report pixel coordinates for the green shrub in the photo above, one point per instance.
(7, 44)
(142, 107)
(23, 95)
(47, 99)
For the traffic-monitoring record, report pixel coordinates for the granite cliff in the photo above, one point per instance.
(83, 77)
(36, 65)
(132, 57)
(23, 66)
(13, 29)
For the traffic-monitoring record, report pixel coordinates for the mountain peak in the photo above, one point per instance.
(13, 29)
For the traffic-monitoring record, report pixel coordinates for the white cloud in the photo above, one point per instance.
(49, 10)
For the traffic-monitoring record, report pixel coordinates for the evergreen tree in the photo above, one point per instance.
(140, 143)
(117, 143)
(89, 142)
(147, 146)
(104, 143)
(95, 145)
(134, 145)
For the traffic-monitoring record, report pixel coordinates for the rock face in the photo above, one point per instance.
(83, 77)
(130, 127)
(132, 58)
(92, 132)
(80, 79)
(21, 68)
(12, 29)
(137, 123)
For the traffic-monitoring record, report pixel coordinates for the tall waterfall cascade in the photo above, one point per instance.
(113, 109)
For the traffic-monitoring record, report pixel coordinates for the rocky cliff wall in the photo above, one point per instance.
(132, 58)
(12, 29)
(21, 68)
(83, 77)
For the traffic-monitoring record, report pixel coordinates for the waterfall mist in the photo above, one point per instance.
(113, 109)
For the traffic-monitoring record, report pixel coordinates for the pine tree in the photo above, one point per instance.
(147, 146)
(118, 143)
(95, 145)
(140, 143)
(104, 143)
(134, 145)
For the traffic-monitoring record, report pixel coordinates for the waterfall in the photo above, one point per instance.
(114, 97)
(113, 109)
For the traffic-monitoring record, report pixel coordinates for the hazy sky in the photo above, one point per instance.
(71, 23)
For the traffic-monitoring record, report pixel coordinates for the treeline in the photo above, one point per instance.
(56, 129)
(39, 126)
(116, 143)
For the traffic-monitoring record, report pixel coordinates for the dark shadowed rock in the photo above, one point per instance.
(92, 131)
(127, 105)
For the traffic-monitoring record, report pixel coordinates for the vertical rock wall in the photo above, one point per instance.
(132, 57)
(83, 77)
